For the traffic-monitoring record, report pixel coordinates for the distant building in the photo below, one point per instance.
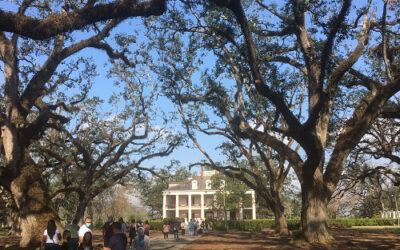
(390, 214)
(194, 197)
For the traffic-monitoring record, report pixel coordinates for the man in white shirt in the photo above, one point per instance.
(85, 228)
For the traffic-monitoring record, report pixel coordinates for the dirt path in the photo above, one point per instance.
(170, 243)
(344, 239)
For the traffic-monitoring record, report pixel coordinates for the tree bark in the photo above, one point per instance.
(80, 210)
(33, 202)
(314, 209)
(280, 220)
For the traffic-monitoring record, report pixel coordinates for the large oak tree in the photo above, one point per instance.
(331, 44)
(36, 75)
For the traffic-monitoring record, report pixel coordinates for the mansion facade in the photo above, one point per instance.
(194, 198)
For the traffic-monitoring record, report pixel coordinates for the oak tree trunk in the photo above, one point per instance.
(278, 210)
(280, 220)
(314, 210)
(80, 210)
(33, 202)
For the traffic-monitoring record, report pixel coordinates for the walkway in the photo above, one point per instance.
(170, 243)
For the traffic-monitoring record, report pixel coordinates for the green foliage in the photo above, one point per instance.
(294, 224)
(230, 193)
(99, 224)
(150, 188)
(134, 217)
(156, 225)
(345, 222)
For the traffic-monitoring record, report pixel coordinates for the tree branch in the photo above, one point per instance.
(56, 24)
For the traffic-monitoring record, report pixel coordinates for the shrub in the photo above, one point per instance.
(156, 225)
(350, 222)
(293, 224)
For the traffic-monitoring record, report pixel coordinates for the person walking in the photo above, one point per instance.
(86, 243)
(118, 241)
(165, 230)
(177, 226)
(142, 241)
(107, 230)
(132, 232)
(139, 224)
(123, 225)
(85, 228)
(203, 227)
(183, 228)
(195, 227)
(51, 236)
(146, 228)
(191, 227)
(73, 228)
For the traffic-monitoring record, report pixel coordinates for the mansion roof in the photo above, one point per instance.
(203, 182)
(187, 185)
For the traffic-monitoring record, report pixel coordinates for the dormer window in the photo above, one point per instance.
(194, 184)
(208, 184)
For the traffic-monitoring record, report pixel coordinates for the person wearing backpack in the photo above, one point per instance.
(142, 241)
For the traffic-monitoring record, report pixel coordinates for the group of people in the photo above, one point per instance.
(139, 234)
(77, 237)
(194, 227)
(74, 237)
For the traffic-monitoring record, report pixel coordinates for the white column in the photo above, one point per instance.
(164, 210)
(253, 203)
(202, 207)
(177, 206)
(241, 209)
(190, 207)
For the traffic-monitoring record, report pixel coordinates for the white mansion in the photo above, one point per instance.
(194, 197)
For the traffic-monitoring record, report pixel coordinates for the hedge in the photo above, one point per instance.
(349, 222)
(293, 224)
(156, 225)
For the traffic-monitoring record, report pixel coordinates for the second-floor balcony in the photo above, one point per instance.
(186, 206)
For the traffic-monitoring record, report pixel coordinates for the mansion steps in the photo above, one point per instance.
(194, 198)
